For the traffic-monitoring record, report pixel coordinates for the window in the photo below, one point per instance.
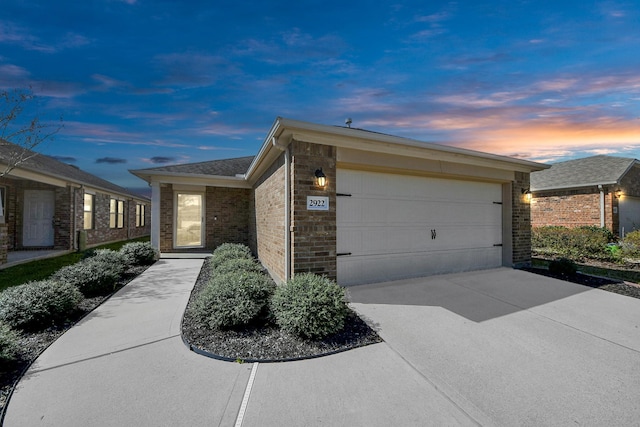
(140, 215)
(116, 213)
(3, 202)
(89, 200)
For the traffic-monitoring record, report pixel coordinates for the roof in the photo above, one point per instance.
(48, 166)
(224, 167)
(586, 172)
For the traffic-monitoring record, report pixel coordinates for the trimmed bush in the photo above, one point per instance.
(36, 305)
(577, 243)
(238, 265)
(139, 253)
(630, 245)
(228, 251)
(93, 276)
(310, 306)
(563, 266)
(234, 299)
(8, 343)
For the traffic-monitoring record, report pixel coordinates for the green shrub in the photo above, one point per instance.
(234, 299)
(630, 245)
(139, 253)
(578, 243)
(238, 265)
(36, 305)
(228, 251)
(563, 266)
(8, 343)
(92, 276)
(310, 306)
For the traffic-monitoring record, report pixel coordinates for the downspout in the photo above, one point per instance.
(601, 205)
(287, 206)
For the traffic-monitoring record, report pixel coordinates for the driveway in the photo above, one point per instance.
(519, 348)
(498, 347)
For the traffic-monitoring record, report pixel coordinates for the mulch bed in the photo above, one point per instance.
(615, 286)
(266, 342)
(32, 344)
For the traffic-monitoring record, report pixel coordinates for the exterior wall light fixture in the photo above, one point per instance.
(527, 194)
(321, 178)
(618, 194)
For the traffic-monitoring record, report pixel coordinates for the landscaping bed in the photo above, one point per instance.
(264, 341)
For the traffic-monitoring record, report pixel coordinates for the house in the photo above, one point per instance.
(355, 205)
(600, 190)
(47, 204)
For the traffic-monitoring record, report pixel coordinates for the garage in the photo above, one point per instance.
(392, 226)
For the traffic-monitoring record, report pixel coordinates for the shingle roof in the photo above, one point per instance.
(49, 166)
(223, 167)
(582, 173)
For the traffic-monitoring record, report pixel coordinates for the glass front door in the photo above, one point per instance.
(189, 220)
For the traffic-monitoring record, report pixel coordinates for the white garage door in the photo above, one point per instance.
(392, 226)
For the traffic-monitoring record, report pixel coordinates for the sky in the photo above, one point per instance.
(142, 83)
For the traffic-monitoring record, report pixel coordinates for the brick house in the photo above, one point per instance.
(390, 207)
(47, 204)
(600, 190)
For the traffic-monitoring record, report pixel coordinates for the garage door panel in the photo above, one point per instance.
(386, 225)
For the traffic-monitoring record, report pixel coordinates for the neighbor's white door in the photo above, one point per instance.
(392, 226)
(189, 220)
(38, 218)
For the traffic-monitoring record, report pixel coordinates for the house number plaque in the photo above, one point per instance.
(317, 203)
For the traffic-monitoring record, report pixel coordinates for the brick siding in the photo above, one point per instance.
(227, 216)
(521, 222)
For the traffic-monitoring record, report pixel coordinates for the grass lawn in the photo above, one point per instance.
(610, 271)
(41, 269)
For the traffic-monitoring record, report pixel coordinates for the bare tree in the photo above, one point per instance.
(20, 135)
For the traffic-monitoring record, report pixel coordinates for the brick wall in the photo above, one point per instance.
(521, 221)
(573, 208)
(10, 210)
(4, 243)
(166, 217)
(227, 216)
(313, 232)
(267, 228)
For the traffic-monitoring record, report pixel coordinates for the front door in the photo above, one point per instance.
(189, 229)
(38, 218)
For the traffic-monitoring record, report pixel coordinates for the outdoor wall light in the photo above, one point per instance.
(618, 194)
(527, 194)
(321, 178)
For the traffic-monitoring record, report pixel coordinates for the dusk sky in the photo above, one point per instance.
(144, 83)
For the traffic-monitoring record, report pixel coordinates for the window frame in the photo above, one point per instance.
(92, 211)
(141, 209)
(116, 213)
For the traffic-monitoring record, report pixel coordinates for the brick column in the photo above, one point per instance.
(521, 221)
(4, 243)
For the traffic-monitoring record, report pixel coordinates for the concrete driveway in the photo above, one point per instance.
(514, 347)
(498, 347)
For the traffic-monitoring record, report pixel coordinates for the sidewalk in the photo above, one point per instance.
(126, 364)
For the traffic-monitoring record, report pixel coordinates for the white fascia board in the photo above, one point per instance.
(567, 187)
(192, 179)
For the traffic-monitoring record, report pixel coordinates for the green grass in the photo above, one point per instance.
(41, 269)
(619, 274)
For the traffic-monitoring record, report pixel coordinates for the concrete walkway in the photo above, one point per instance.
(474, 349)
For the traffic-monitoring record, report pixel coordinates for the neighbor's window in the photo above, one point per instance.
(3, 203)
(140, 212)
(116, 213)
(89, 203)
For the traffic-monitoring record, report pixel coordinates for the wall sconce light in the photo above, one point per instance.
(618, 194)
(527, 194)
(321, 178)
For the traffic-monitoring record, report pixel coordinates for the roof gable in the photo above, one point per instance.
(589, 171)
(223, 167)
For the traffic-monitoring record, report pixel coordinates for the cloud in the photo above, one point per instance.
(111, 160)
(162, 159)
(11, 33)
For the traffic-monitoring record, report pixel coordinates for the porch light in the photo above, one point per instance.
(527, 194)
(618, 194)
(321, 178)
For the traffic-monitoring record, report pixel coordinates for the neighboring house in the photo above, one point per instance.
(601, 190)
(391, 207)
(47, 204)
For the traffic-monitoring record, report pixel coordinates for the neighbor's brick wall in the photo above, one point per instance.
(573, 208)
(313, 232)
(4, 243)
(10, 213)
(267, 227)
(231, 208)
(521, 221)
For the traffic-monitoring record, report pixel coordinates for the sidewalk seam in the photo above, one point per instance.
(247, 393)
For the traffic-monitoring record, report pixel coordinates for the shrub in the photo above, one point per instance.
(139, 253)
(579, 242)
(238, 265)
(36, 305)
(630, 245)
(228, 251)
(563, 266)
(8, 343)
(310, 306)
(234, 299)
(92, 276)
